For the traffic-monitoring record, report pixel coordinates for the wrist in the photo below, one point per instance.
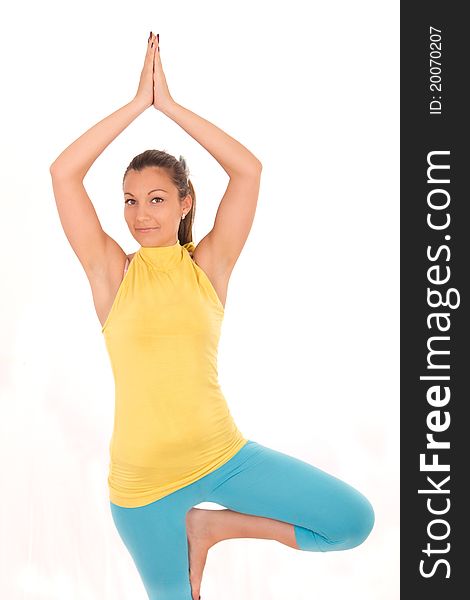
(168, 107)
(138, 103)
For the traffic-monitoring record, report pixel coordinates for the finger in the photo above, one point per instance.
(150, 56)
(156, 42)
(156, 59)
(157, 54)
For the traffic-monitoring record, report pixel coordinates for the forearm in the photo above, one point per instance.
(233, 157)
(77, 158)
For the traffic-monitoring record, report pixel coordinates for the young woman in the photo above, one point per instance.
(175, 443)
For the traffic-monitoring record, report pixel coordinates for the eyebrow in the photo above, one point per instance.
(157, 190)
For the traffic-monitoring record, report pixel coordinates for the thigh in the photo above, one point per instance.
(272, 484)
(155, 536)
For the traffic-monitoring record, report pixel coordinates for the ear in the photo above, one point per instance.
(188, 202)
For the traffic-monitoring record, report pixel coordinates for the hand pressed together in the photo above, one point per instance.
(153, 88)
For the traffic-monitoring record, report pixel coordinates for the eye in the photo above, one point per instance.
(132, 200)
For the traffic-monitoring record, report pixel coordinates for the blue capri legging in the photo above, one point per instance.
(327, 513)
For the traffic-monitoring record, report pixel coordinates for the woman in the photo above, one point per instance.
(175, 443)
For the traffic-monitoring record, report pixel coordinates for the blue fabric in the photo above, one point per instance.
(327, 513)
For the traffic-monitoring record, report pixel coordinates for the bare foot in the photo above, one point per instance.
(199, 542)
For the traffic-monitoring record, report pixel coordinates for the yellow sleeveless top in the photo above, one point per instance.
(172, 424)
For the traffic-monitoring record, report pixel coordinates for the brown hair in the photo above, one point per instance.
(178, 172)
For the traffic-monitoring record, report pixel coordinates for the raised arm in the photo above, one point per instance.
(221, 247)
(94, 248)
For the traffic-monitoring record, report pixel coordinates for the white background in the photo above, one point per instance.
(308, 358)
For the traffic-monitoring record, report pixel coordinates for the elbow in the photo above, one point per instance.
(58, 171)
(53, 169)
(255, 169)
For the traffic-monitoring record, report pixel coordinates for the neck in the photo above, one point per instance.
(162, 258)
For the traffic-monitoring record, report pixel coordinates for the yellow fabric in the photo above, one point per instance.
(172, 424)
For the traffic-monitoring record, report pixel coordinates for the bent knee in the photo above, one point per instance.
(361, 523)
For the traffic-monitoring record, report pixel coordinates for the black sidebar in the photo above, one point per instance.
(434, 301)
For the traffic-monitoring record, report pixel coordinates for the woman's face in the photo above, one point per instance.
(152, 208)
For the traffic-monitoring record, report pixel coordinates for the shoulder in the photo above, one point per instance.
(190, 247)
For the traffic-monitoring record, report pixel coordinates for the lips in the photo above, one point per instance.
(145, 228)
